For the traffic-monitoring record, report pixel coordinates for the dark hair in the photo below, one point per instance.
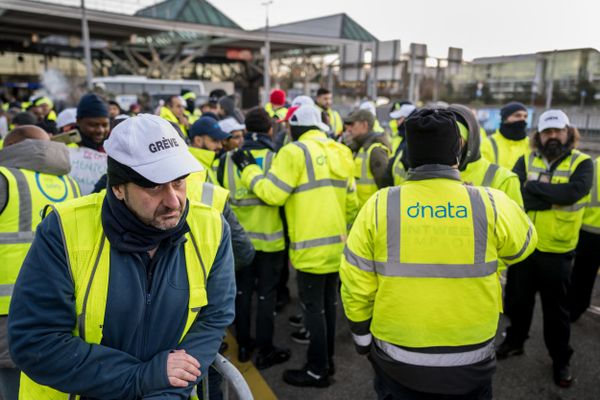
(572, 141)
(258, 120)
(323, 91)
(170, 99)
(114, 103)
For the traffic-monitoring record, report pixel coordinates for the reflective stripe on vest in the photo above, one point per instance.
(89, 264)
(490, 174)
(437, 359)
(262, 225)
(494, 148)
(28, 192)
(591, 216)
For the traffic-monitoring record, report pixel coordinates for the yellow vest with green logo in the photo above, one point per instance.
(591, 215)
(312, 178)
(419, 270)
(29, 192)
(502, 151)
(365, 182)
(89, 262)
(261, 221)
(558, 227)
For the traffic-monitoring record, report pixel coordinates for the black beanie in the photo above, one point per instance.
(91, 106)
(258, 120)
(510, 108)
(432, 137)
(118, 174)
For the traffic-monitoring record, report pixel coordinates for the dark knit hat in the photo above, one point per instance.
(432, 137)
(511, 108)
(258, 120)
(24, 118)
(91, 106)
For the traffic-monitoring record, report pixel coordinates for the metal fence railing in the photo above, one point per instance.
(233, 381)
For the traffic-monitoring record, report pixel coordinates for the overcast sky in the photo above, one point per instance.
(481, 27)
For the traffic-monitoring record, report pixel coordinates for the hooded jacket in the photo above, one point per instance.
(34, 155)
(478, 171)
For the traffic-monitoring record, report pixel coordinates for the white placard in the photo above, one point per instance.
(87, 167)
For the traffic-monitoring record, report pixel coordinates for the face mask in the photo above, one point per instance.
(553, 149)
(514, 130)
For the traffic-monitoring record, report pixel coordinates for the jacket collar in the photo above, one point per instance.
(206, 157)
(433, 171)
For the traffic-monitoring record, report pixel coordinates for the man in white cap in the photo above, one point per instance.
(66, 120)
(112, 299)
(312, 179)
(555, 180)
(236, 130)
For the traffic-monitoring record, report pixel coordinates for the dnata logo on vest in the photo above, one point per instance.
(163, 144)
(441, 211)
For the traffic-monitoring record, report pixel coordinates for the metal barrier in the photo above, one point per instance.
(232, 377)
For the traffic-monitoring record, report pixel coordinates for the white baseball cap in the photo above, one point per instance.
(230, 124)
(302, 100)
(150, 146)
(66, 117)
(553, 119)
(306, 115)
(369, 106)
(403, 112)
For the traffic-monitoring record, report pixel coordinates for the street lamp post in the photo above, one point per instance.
(86, 47)
(267, 56)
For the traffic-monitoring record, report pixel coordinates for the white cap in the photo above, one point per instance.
(368, 105)
(307, 115)
(403, 112)
(302, 101)
(150, 146)
(66, 117)
(553, 119)
(230, 124)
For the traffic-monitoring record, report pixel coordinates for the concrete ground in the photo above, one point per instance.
(522, 377)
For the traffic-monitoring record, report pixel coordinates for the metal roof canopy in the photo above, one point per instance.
(20, 19)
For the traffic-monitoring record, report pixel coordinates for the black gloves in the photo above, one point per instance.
(242, 159)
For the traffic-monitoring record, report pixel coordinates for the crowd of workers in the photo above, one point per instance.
(153, 231)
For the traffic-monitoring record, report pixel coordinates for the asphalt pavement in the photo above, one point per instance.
(526, 377)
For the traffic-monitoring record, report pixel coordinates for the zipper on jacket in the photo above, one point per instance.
(149, 275)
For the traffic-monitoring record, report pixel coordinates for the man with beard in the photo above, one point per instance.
(324, 101)
(112, 301)
(555, 180)
(510, 140)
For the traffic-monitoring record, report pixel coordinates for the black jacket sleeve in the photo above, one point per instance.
(378, 166)
(243, 250)
(530, 201)
(564, 194)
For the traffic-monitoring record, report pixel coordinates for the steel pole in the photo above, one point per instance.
(86, 47)
(267, 58)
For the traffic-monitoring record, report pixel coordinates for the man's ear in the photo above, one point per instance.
(119, 191)
(197, 141)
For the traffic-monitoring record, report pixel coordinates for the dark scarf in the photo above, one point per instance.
(87, 141)
(128, 234)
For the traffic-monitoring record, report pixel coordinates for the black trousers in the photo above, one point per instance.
(318, 298)
(263, 274)
(585, 270)
(550, 274)
(388, 389)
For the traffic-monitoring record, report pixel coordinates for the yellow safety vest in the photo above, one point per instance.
(198, 189)
(207, 159)
(261, 221)
(399, 173)
(377, 128)
(365, 182)
(558, 227)
(502, 151)
(591, 215)
(169, 116)
(419, 270)
(335, 121)
(29, 192)
(88, 251)
(313, 179)
(483, 173)
(394, 127)
(279, 113)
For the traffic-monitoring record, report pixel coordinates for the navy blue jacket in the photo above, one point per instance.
(145, 317)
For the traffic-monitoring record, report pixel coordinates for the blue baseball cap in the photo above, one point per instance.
(208, 126)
